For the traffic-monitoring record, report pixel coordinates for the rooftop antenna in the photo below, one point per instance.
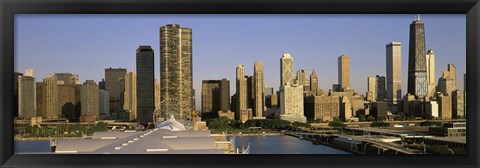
(414, 17)
(418, 17)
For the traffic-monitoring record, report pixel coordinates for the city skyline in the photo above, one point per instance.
(206, 64)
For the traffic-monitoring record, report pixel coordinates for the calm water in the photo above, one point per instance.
(34, 146)
(283, 145)
(259, 145)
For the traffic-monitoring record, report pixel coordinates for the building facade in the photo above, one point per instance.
(394, 76)
(90, 102)
(27, 98)
(431, 72)
(241, 95)
(112, 84)
(50, 98)
(145, 85)
(68, 78)
(104, 104)
(344, 71)
(291, 103)
(286, 70)
(176, 73)
(417, 66)
(258, 90)
(130, 95)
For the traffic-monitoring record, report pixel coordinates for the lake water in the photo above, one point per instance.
(259, 145)
(283, 145)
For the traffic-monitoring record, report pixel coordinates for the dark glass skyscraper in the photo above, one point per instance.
(145, 85)
(417, 61)
(176, 75)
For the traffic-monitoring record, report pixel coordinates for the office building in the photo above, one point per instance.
(27, 98)
(286, 70)
(291, 106)
(344, 71)
(417, 66)
(258, 90)
(446, 83)
(50, 98)
(90, 102)
(112, 84)
(16, 75)
(69, 101)
(101, 84)
(444, 106)
(67, 78)
(458, 104)
(432, 109)
(314, 82)
(145, 85)
(215, 97)
(376, 87)
(104, 104)
(394, 76)
(302, 77)
(130, 95)
(322, 108)
(431, 72)
(176, 73)
(241, 88)
(268, 91)
(157, 94)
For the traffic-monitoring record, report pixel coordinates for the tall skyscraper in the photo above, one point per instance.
(302, 77)
(50, 100)
(291, 106)
(314, 82)
(286, 70)
(27, 98)
(417, 66)
(104, 104)
(145, 85)
(431, 72)
(16, 75)
(112, 84)
(90, 102)
(225, 95)
(394, 72)
(258, 89)
(157, 94)
(344, 71)
(446, 83)
(241, 87)
(176, 75)
(372, 88)
(130, 95)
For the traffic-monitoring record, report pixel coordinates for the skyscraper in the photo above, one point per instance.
(376, 87)
(104, 104)
(176, 75)
(241, 87)
(130, 95)
(291, 106)
(258, 89)
(90, 102)
(344, 71)
(145, 85)
(417, 66)
(286, 70)
(394, 72)
(302, 77)
(157, 94)
(431, 72)
(50, 100)
(112, 84)
(314, 82)
(16, 75)
(27, 102)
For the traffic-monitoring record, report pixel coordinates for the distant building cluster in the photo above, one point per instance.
(136, 95)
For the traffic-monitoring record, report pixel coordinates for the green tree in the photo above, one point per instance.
(370, 118)
(337, 124)
(362, 118)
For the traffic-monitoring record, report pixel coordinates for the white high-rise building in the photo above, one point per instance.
(286, 70)
(394, 72)
(291, 106)
(431, 72)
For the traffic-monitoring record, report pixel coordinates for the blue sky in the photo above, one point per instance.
(87, 44)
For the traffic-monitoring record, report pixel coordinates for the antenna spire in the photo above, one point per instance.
(418, 17)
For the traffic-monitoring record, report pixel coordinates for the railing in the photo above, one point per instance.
(247, 150)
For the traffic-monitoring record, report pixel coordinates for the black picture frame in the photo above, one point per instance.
(8, 8)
